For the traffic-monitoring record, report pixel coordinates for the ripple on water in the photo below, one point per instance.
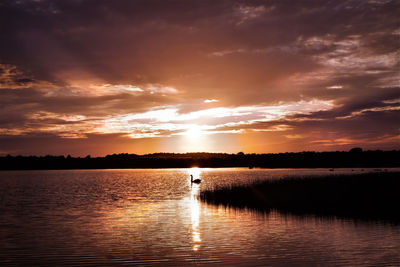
(153, 217)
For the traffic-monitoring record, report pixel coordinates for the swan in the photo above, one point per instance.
(196, 181)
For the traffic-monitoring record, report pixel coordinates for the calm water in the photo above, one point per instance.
(152, 217)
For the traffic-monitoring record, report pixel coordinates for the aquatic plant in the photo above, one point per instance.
(368, 196)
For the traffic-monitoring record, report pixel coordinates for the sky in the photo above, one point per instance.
(99, 77)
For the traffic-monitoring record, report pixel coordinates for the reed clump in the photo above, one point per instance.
(369, 196)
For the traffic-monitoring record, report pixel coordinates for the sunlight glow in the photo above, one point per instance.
(194, 131)
(196, 127)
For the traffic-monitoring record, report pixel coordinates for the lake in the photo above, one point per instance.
(151, 217)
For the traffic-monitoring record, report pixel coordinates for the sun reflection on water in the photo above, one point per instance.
(195, 209)
(152, 217)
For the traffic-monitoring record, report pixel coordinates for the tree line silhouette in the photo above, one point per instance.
(356, 157)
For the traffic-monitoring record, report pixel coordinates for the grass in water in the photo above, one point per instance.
(373, 196)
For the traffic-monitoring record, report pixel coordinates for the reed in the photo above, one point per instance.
(368, 196)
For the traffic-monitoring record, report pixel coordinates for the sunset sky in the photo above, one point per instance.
(99, 77)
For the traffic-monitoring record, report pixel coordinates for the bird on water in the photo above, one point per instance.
(196, 181)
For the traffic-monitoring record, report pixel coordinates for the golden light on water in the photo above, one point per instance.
(195, 208)
(195, 214)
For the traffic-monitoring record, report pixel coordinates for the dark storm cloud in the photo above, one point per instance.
(128, 39)
(56, 55)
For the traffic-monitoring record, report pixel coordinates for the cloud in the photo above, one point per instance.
(211, 100)
(147, 69)
(168, 120)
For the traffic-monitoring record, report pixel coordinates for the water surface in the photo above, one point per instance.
(153, 217)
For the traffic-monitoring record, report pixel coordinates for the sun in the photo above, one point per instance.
(194, 131)
(195, 138)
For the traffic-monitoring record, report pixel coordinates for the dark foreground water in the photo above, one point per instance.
(153, 217)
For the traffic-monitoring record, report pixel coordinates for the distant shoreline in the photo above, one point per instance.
(334, 172)
(368, 196)
(338, 159)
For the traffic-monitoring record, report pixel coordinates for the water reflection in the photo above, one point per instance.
(195, 208)
(153, 217)
(195, 212)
